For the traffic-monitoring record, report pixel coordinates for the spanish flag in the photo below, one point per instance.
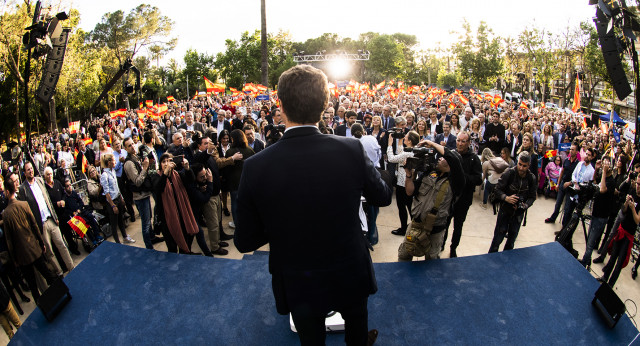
(141, 113)
(523, 105)
(141, 105)
(380, 85)
(576, 96)
(464, 100)
(79, 225)
(195, 96)
(170, 99)
(551, 153)
(74, 126)
(149, 103)
(237, 102)
(162, 109)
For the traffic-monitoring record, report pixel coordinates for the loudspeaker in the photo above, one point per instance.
(52, 68)
(54, 299)
(610, 307)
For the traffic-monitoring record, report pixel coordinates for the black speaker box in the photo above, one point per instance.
(610, 307)
(54, 299)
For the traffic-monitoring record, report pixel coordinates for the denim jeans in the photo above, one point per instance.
(595, 232)
(488, 187)
(372, 216)
(144, 209)
(559, 199)
(506, 225)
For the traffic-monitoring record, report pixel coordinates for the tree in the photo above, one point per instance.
(198, 65)
(482, 54)
(143, 27)
(387, 60)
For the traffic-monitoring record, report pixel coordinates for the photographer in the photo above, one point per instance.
(403, 200)
(273, 132)
(516, 189)
(434, 194)
(603, 203)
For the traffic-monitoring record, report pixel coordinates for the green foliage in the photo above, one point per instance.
(482, 54)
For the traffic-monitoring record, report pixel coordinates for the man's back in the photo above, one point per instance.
(310, 228)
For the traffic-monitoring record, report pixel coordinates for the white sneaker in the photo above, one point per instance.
(232, 225)
(128, 239)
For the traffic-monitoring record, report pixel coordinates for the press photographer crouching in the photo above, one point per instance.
(434, 183)
(516, 190)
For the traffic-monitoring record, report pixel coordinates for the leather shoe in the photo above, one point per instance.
(599, 259)
(226, 212)
(549, 220)
(556, 232)
(224, 236)
(157, 240)
(399, 231)
(223, 244)
(453, 253)
(75, 252)
(372, 336)
(220, 252)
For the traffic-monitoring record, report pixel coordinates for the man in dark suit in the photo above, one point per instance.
(446, 138)
(190, 125)
(344, 130)
(387, 119)
(222, 123)
(559, 136)
(255, 144)
(83, 151)
(318, 264)
(514, 139)
(239, 122)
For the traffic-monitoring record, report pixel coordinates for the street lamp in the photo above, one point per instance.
(470, 72)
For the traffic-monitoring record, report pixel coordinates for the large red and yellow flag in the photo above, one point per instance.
(149, 103)
(236, 102)
(576, 96)
(79, 225)
(170, 99)
(74, 127)
(162, 109)
(464, 100)
(380, 85)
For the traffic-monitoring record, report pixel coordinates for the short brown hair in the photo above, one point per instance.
(304, 94)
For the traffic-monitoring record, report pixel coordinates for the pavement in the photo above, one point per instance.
(476, 238)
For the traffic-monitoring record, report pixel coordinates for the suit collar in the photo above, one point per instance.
(300, 131)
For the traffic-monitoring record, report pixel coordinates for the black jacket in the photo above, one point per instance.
(318, 255)
(472, 175)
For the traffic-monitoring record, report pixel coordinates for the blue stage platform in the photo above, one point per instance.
(128, 295)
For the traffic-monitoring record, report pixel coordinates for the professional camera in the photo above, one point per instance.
(397, 132)
(585, 192)
(275, 132)
(423, 160)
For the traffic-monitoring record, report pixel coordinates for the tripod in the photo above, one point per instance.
(566, 233)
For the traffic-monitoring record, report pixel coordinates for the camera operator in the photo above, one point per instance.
(516, 189)
(603, 202)
(403, 201)
(434, 193)
(583, 173)
(273, 133)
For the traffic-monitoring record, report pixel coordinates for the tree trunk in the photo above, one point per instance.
(263, 44)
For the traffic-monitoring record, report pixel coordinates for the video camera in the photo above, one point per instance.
(396, 132)
(423, 160)
(275, 132)
(585, 192)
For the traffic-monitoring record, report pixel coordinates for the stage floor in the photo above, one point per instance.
(128, 295)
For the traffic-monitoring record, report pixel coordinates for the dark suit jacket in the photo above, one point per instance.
(91, 157)
(318, 254)
(258, 145)
(25, 194)
(392, 122)
(227, 125)
(451, 141)
(558, 138)
(509, 143)
(438, 128)
(341, 130)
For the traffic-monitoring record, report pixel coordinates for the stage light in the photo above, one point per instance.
(339, 68)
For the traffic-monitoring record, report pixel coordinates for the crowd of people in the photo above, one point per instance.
(182, 170)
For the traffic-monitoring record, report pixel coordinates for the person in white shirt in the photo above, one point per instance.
(582, 174)
(403, 201)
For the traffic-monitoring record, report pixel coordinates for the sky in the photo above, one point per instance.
(205, 25)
